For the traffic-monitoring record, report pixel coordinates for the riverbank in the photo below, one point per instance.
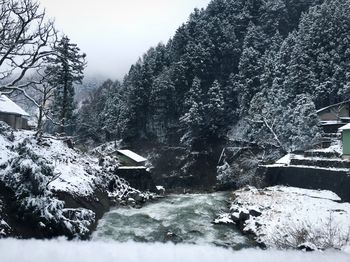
(291, 218)
(48, 189)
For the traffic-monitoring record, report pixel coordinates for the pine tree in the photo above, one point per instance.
(65, 69)
(193, 120)
(162, 104)
(250, 67)
(320, 59)
(215, 111)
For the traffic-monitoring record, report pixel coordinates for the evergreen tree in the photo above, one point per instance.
(250, 67)
(216, 112)
(193, 120)
(320, 59)
(162, 104)
(65, 69)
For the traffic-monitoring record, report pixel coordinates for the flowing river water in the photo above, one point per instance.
(183, 218)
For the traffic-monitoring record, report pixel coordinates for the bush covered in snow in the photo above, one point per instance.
(43, 173)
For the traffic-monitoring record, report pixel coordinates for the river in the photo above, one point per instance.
(183, 218)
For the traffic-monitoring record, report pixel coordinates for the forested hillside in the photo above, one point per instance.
(252, 68)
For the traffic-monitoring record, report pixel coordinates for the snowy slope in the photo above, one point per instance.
(287, 217)
(39, 171)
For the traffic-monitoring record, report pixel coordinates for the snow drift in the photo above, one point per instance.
(60, 250)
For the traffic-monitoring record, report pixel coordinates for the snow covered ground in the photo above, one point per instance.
(36, 170)
(60, 250)
(287, 217)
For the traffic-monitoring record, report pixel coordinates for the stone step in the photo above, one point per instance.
(324, 154)
(320, 162)
(331, 135)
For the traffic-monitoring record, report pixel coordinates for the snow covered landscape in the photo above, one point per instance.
(291, 218)
(44, 175)
(192, 130)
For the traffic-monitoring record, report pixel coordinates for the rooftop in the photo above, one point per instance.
(334, 105)
(132, 155)
(346, 127)
(10, 107)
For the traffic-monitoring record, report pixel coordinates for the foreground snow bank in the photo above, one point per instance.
(53, 188)
(287, 217)
(59, 250)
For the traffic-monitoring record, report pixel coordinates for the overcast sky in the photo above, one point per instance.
(114, 33)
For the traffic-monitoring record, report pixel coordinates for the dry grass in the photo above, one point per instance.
(329, 235)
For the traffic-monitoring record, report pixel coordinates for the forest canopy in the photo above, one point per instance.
(265, 65)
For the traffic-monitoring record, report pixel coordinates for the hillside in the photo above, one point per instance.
(252, 72)
(49, 189)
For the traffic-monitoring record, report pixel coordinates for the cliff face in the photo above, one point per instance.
(48, 189)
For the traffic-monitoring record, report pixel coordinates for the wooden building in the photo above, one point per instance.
(334, 116)
(345, 137)
(12, 114)
(129, 158)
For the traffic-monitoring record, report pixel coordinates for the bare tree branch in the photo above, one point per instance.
(26, 39)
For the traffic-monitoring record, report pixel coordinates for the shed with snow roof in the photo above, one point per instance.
(12, 114)
(130, 158)
(345, 137)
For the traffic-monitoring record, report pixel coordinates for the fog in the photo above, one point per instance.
(60, 250)
(114, 33)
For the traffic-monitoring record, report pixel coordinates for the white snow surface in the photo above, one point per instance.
(284, 160)
(284, 209)
(137, 158)
(70, 168)
(335, 147)
(77, 251)
(8, 106)
(345, 127)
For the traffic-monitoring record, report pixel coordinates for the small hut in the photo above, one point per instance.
(12, 114)
(130, 158)
(345, 137)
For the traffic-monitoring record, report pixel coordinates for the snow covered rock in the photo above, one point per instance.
(224, 219)
(287, 217)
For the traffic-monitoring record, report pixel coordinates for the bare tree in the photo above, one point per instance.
(42, 92)
(26, 39)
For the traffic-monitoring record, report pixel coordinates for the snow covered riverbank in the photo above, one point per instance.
(287, 217)
(60, 250)
(50, 189)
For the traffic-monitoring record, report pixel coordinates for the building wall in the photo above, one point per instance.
(334, 113)
(309, 178)
(346, 142)
(14, 121)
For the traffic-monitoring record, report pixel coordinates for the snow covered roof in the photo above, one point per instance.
(132, 155)
(10, 107)
(331, 122)
(346, 127)
(330, 106)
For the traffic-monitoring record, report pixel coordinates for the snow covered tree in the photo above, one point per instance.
(92, 120)
(193, 120)
(250, 67)
(320, 61)
(65, 69)
(25, 41)
(284, 120)
(162, 104)
(215, 112)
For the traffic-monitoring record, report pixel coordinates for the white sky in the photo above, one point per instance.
(114, 33)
